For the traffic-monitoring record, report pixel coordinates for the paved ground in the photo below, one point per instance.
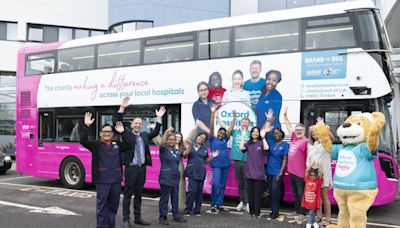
(31, 202)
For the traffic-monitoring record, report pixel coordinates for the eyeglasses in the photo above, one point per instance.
(107, 132)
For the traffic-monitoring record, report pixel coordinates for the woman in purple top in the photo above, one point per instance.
(256, 148)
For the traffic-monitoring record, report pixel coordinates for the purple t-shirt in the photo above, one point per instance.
(297, 156)
(256, 159)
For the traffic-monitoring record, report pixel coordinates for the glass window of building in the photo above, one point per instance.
(43, 63)
(131, 26)
(267, 38)
(11, 31)
(73, 59)
(169, 49)
(116, 29)
(299, 3)
(7, 78)
(329, 33)
(144, 24)
(35, 33)
(81, 33)
(125, 53)
(214, 43)
(7, 120)
(96, 33)
(64, 34)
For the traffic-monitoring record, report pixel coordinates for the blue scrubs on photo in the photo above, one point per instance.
(272, 100)
(196, 173)
(169, 180)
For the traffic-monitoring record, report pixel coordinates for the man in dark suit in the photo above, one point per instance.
(135, 162)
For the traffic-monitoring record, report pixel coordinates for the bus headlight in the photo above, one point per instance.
(7, 158)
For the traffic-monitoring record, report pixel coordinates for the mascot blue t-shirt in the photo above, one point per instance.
(354, 169)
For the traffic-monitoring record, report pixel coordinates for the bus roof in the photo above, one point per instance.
(279, 15)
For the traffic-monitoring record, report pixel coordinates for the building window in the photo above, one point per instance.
(96, 33)
(81, 33)
(64, 34)
(130, 26)
(8, 31)
(35, 33)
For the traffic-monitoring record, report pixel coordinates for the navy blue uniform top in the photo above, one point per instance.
(169, 173)
(196, 166)
(202, 112)
(106, 160)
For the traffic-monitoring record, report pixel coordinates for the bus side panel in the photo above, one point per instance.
(387, 187)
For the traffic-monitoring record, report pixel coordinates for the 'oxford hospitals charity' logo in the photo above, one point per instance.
(346, 163)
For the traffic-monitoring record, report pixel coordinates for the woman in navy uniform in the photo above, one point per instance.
(196, 172)
(169, 176)
(106, 168)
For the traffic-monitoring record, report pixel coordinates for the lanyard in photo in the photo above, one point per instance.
(172, 151)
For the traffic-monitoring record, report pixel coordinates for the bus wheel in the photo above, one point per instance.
(72, 173)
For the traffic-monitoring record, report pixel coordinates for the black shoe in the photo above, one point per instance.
(180, 219)
(140, 221)
(163, 221)
(220, 209)
(213, 210)
(273, 216)
(127, 224)
(197, 214)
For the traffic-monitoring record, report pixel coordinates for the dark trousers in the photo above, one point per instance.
(274, 187)
(297, 184)
(255, 189)
(240, 167)
(107, 201)
(135, 178)
(165, 192)
(220, 175)
(194, 196)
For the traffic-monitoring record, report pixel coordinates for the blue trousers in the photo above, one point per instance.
(165, 192)
(274, 187)
(311, 218)
(194, 196)
(107, 201)
(220, 175)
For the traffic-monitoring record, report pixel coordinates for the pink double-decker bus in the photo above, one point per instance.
(332, 58)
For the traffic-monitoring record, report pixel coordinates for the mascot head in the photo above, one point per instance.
(356, 128)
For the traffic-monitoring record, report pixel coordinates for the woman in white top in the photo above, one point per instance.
(236, 93)
(318, 155)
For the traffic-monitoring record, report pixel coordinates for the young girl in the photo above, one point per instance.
(312, 193)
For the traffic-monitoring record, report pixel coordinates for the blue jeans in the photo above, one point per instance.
(311, 214)
(274, 187)
(220, 175)
(297, 184)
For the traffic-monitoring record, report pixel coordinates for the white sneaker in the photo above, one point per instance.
(247, 208)
(315, 225)
(292, 215)
(308, 225)
(240, 206)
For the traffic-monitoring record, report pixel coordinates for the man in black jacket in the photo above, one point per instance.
(135, 162)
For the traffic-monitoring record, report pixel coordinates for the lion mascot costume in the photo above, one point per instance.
(354, 181)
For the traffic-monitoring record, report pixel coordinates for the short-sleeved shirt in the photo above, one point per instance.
(242, 96)
(254, 89)
(297, 156)
(196, 166)
(256, 159)
(202, 111)
(277, 153)
(222, 160)
(355, 169)
(236, 153)
(272, 100)
(216, 95)
(312, 193)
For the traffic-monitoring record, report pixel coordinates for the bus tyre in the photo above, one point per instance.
(72, 173)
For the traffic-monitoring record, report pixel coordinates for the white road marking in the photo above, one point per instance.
(34, 209)
(15, 178)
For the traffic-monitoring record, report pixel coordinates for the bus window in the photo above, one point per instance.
(46, 132)
(214, 43)
(68, 128)
(76, 59)
(125, 53)
(40, 64)
(329, 33)
(169, 49)
(267, 38)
